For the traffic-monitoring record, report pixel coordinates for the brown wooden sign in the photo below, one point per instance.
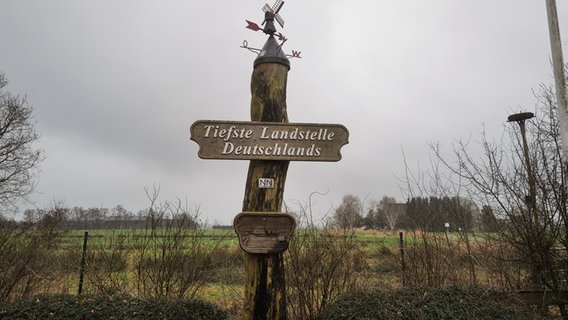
(264, 232)
(269, 140)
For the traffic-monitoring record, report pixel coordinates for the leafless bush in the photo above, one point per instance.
(107, 263)
(498, 263)
(431, 260)
(173, 258)
(28, 253)
(321, 264)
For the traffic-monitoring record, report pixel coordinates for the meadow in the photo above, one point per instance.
(193, 263)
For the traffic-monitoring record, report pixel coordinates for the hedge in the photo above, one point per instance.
(452, 302)
(66, 307)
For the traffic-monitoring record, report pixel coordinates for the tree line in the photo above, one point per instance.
(103, 218)
(433, 214)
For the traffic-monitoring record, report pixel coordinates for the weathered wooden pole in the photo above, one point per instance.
(270, 143)
(265, 288)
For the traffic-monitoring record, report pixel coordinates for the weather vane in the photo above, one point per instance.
(270, 14)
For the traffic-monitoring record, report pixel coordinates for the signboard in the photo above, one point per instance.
(264, 232)
(269, 140)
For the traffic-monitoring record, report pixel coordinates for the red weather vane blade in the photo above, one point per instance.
(253, 26)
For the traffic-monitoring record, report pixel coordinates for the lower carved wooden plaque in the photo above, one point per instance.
(264, 232)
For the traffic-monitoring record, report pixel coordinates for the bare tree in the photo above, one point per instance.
(19, 157)
(348, 214)
(392, 211)
(523, 187)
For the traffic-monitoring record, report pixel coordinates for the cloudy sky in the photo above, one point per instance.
(115, 86)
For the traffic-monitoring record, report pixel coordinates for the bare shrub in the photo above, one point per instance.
(435, 259)
(173, 258)
(28, 253)
(429, 260)
(107, 263)
(321, 265)
(498, 263)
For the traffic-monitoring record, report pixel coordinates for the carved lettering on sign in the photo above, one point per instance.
(269, 141)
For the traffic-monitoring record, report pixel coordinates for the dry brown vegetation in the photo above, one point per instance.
(175, 262)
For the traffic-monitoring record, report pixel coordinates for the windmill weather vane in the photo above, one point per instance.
(270, 14)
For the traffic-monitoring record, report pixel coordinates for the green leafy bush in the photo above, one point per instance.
(450, 302)
(64, 307)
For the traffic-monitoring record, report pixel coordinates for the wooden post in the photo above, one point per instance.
(402, 261)
(265, 289)
(82, 266)
(264, 231)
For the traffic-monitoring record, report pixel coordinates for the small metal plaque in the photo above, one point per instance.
(264, 232)
(266, 183)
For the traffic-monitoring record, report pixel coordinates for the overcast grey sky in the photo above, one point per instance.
(115, 86)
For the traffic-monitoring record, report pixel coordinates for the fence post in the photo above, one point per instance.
(402, 262)
(83, 258)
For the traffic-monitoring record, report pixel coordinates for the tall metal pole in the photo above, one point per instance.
(559, 74)
(530, 200)
(520, 118)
